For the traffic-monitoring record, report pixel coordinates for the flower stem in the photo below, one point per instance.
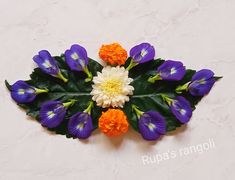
(60, 76)
(88, 109)
(69, 103)
(154, 78)
(89, 75)
(137, 111)
(181, 88)
(166, 99)
(39, 91)
(131, 65)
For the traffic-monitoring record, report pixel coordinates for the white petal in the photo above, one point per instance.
(111, 95)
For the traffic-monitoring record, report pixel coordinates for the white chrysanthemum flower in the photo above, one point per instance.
(111, 87)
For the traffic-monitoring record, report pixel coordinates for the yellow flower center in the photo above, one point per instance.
(50, 114)
(112, 86)
(202, 81)
(21, 91)
(151, 126)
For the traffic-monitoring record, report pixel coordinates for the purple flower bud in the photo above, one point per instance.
(76, 57)
(152, 125)
(201, 82)
(52, 113)
(21, 92)
(48, 64)
(181, 108)
(170, 70)
(142, 53)
(80, 125)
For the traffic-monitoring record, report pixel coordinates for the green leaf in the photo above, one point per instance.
(218, 78)
(7, 85)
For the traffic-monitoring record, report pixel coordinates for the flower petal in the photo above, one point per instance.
(82, 51)
(201, 83)
(80, 125)
(197, 89)
(44, 54)
(203, 74)
(46, 63)
(21, 92)
(113, 122)
(181, 108)
(171, 70)
(112, 87)
(152, 125)
(52, 114)
(142, 53)
(113, 54)
(76, 57)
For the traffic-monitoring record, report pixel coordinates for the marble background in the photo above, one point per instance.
(198, 32)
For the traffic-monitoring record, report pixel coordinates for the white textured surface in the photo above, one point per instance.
(198, 32)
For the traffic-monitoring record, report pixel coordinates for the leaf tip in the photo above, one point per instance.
(7, 85)
(218, 78)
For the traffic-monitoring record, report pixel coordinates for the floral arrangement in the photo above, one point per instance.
(73, 95)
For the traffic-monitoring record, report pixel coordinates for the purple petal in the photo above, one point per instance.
(76, 57)
(201, 89)
(171, 70)
(142, 53)
(202, 82)
(44, 54)
(52, 114)
(82, 51)
(152, 125)
(46, 62)
(203, 74)
(80, 125)
(181, 108)
(21, 92)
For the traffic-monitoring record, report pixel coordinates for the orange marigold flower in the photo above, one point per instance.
(114, 54)
(113, 122)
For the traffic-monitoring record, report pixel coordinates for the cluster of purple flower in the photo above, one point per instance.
(52, 113)
(152, 124)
